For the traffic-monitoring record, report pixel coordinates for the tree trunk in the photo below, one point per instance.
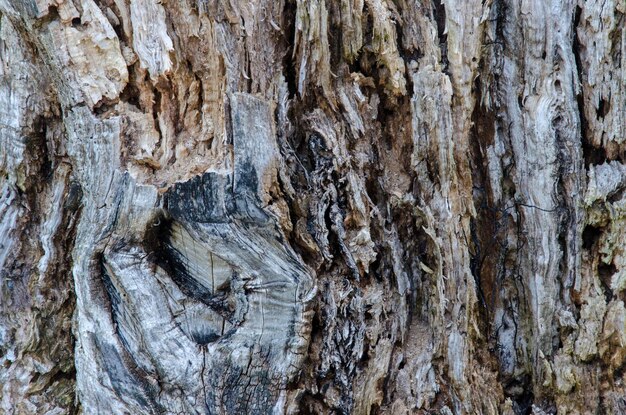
(312, 206)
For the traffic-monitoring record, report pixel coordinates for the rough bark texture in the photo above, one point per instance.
(312, 206)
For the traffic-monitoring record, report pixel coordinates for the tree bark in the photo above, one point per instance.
(312, 206)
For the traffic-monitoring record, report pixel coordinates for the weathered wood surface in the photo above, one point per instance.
(312, 206)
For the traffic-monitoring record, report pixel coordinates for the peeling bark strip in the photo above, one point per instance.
(312, 206)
